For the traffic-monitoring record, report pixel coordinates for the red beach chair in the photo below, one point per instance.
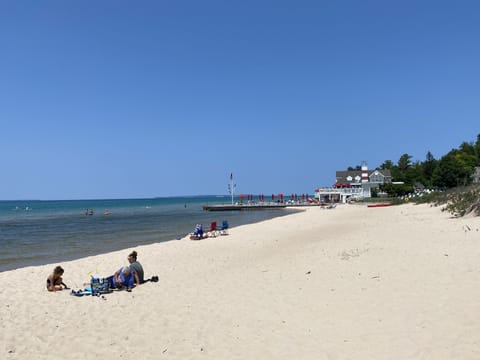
(212, 232)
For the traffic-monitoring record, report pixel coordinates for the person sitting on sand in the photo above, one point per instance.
(136, 267)
(124, 277)
(55, 281)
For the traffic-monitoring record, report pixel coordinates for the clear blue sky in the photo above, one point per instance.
(120, 99)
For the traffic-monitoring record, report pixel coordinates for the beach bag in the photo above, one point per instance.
(100, 286)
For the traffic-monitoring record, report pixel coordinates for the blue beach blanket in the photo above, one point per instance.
(87, 291)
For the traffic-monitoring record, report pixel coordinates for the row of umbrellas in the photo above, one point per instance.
(261, 197)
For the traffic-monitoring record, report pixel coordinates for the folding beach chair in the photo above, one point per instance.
(197, 233)
(223, 228)
(212, 232)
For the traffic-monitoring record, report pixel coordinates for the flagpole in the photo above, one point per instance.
(231, 186)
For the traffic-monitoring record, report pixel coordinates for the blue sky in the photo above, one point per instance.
(120, 99)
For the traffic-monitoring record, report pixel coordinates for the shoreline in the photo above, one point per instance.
(350, 282)
(66, 238)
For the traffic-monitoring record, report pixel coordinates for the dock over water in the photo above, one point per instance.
(228, 207)
(255, 206)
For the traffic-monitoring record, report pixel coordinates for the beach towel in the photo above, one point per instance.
(85, 292)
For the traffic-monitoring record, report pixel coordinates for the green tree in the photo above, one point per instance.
(477, 149)
(399, 172)
(404, 162)
(396, 189)
(453, 170)
(414, 174)
(428, 167)
(467, 148)
(387, 165)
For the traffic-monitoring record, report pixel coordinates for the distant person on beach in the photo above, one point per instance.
(136, 267)
(123, 278)
(55, 281)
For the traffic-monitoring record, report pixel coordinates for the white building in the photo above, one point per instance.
(353, 184)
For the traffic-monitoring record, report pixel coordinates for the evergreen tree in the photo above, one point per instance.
(428, 167)
(404, 162)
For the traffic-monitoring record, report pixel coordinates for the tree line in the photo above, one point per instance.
(451, 170)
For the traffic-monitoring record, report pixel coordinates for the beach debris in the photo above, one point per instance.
(308, 273)
(375, 277)
(466, 228)
(164, 351)
(346, 255)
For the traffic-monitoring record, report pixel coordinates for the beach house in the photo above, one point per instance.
(354, 184)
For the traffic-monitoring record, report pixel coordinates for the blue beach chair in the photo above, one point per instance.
(223, 228)
(197, 233)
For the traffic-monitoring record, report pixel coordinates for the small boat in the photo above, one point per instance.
(380, 204)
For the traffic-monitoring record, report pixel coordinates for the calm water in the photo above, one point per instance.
(40, 232)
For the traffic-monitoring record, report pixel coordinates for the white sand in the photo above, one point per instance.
(349, 283)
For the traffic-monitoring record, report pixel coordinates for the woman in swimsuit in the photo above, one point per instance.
(55, 281)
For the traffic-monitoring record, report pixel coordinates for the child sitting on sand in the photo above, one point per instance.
(55, 281)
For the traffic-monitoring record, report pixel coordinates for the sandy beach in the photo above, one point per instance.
(346, 283)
